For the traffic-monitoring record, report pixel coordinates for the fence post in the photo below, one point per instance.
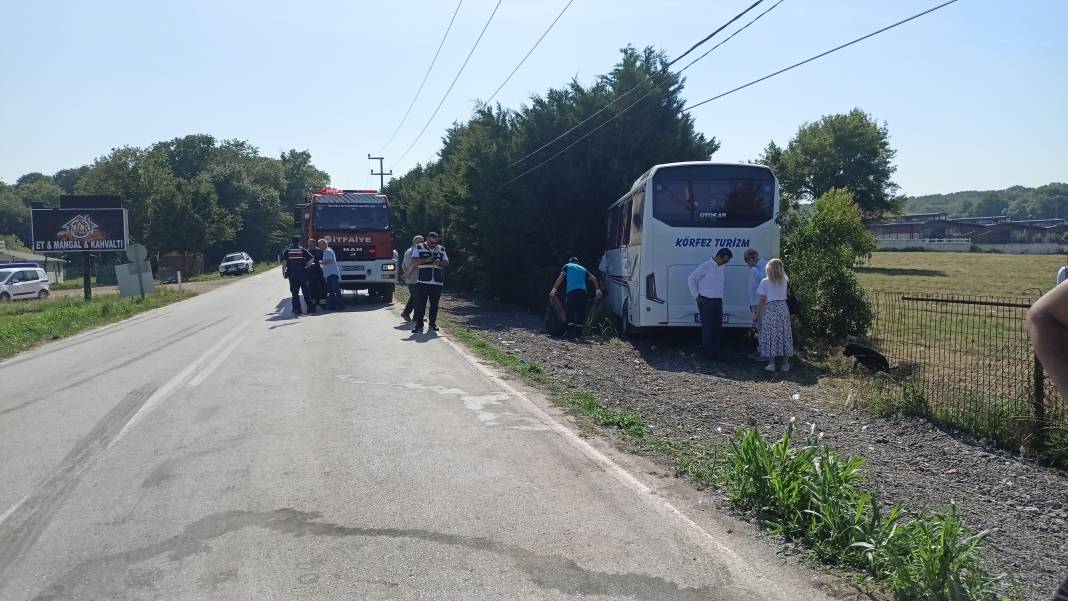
(1038, 403)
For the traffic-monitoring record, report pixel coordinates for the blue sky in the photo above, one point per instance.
(974, 95)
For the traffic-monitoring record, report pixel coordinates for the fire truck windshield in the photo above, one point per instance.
(352, 217)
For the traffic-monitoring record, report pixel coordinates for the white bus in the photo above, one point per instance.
(675, 217)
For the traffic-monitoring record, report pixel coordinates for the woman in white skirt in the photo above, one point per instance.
(776, 338)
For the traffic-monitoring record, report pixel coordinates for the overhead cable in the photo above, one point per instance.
(632, 89)
(451, 86)
(529, 52)
(423, 83)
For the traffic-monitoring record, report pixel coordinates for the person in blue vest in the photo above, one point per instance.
(575, 277)
(295, 269)
(429, 261)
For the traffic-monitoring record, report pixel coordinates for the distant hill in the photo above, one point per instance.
(1018, 202)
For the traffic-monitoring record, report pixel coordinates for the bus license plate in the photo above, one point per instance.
(354, 268)
(697, 318)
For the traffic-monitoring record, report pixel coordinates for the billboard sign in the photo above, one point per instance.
(79, 230)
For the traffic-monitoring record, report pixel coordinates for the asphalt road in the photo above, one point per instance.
(221, 449)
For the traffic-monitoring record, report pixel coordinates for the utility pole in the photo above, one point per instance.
(381, 174)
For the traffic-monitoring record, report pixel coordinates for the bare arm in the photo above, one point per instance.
(1047, 322)
(596, 286)
(556, 285)
(760, 308)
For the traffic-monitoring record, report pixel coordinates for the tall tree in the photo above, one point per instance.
(507, 234)
(300, 176)
(845, 151)
(67, 179)
(31, 178)
(14, 214)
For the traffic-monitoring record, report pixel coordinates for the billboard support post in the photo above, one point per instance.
(87, 288)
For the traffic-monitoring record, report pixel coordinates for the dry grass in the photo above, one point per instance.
(984, 274)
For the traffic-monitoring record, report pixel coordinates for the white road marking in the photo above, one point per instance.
(222, 356)
(694, 531)
(174, 383)
(8, 513)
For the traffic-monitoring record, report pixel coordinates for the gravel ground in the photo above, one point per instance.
(680, 396)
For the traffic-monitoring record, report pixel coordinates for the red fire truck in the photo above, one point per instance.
(356, 224)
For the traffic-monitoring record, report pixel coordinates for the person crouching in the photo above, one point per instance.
(575, 277)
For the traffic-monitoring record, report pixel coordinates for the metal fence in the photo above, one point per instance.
(967, 361)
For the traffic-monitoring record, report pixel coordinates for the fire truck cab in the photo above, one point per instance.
(356, 225)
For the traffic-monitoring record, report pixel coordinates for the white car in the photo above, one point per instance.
(236, 264)
(22, 282)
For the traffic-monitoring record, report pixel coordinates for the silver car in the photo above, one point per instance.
(236, 264)
(23, 282)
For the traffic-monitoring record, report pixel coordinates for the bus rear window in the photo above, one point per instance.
(706, 202)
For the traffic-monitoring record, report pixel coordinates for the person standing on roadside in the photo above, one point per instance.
(1062, 273)
(706, 286)
(408, 278)
(429, 260)
(776, 338)
(332, 274)
(1047, 324)
(756, 274)
(295, 270)
(316, 281)
(575, 276)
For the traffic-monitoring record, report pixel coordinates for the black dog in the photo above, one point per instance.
(866, 356)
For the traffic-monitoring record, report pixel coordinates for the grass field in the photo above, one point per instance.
(984, 274)
(24, 324)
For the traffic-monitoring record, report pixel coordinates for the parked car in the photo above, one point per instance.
(236, 264)
(22, 281)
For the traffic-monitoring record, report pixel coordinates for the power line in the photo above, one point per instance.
(451, 85)
(423, 83)
(635, 87)
(731, 36)
(644, 96)
(688, 108)
(529, 52)
(819, 56)
(583, 137)
(711, 35)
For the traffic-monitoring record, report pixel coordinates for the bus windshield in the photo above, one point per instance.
(352, 217)
(700, 197)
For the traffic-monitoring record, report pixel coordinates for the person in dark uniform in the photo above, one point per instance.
(575, 277)
(295, 269)
(429, 261)
(316, 279)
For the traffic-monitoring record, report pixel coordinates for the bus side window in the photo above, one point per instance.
(613, 229)
(624, 223)
(637, 212)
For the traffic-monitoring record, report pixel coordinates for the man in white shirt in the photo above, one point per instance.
(756, 274)
(706, 286)
(1062, 274)
(332, 273)
(409, 278)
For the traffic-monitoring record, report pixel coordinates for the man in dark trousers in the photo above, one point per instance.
(706, 286)
(407, 277)
(429, 261)
(295, 269)
(575, 277)
(316, 279)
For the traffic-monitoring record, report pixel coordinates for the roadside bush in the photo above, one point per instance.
(820, 251)
(818, 499)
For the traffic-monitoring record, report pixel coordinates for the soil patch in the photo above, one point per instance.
(1024, 506)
